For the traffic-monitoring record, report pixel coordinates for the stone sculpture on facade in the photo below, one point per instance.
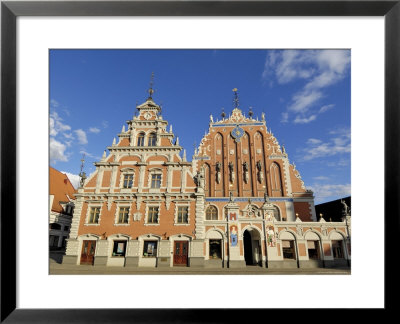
(246, 172)
(231, 172)
(346, 209)
(259, 171)
(218, 170)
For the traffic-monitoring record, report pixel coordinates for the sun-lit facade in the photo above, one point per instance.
(239, 202)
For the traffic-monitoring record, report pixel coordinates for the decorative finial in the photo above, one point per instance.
(236, 99)
(250, 112)
(223, 113)
(170, 129)
(123, 129)
(184, 156)
(104, 155)
(82, 174)
(114, 141)
(151, 91)
(177, 141)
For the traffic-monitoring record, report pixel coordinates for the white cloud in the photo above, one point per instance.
(325, 108)
(337, 145)
(285, 117)
(56, 125)
(90, 155)
(54, 103)
(313, 141)
(74, 178)
(104, 123)
(318, 68)
(331, 190)
(300, 120)
(322, 178)
(303, 100)
(82, 139)
(94, 130)
(57, 151)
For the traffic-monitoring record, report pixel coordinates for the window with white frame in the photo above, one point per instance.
(152, 139)
(155, 181)
(211, 213)
(128, 180)
(152, 215)
(123, 215)
(140, 139)
(94, 215)
(182, 216)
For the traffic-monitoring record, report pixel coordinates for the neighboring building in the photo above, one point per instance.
(239, 202)
(332, 211)
(61, 209)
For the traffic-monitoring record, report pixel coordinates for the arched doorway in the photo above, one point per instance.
(252, 247)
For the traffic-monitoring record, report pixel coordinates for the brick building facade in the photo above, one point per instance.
(239, 202)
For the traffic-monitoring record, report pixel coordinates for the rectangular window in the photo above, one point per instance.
(128, 180)
(152, 216)
(150, 249)
(288, 250)
(155, 181)
(123, 216)
(119, 249)
(54, 241)
(94, 215)
(215, 249)
(182, 215)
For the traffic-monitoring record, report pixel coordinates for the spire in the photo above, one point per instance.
(104, 155)
(114, 141)
(170, 129)
(184, 156)
(236, 99)
(177, 141)
(123, 129)
(151, 91)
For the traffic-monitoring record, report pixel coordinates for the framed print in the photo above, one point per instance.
(153, 25)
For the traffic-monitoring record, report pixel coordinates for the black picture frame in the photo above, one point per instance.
(10, 10)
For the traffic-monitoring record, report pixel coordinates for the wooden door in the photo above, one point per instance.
(88, 250)
(181, 253)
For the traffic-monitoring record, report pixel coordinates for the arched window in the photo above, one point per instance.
(276, 183)
(211, 213)
(140, 141)
(152, 139)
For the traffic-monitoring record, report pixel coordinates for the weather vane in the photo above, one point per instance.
(236, 100)
(151, 91)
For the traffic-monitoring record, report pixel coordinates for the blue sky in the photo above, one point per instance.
(305, 95)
